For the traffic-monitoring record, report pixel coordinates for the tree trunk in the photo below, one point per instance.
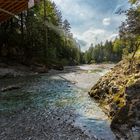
(133, 56)
(45, 35)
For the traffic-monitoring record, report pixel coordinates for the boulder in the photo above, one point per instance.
(120, 91)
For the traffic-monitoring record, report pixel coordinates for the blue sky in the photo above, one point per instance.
(93, 21)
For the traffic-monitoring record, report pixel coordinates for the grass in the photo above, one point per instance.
(138, 53)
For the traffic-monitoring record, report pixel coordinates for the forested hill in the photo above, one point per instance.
(39, 35)
(127, 42)
(110, 51)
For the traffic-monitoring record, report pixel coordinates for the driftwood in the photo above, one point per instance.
(9, 88)
(39, 69)
(58, 67)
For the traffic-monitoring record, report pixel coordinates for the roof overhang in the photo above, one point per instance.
(9, 8)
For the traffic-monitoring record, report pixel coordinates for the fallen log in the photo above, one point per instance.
(9, 88)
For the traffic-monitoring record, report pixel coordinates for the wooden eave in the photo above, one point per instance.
(9, 8)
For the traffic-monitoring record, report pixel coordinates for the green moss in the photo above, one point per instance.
(131, 81)
(119, 97)
(103, 103)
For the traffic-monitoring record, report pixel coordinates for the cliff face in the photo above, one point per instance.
(118, 93)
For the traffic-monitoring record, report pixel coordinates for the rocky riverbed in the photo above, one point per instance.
(53, 106)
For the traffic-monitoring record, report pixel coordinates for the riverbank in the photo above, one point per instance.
(118, 93)
(84, 80)
(12, 69)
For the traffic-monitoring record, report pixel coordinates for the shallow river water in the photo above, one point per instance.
(54, 106)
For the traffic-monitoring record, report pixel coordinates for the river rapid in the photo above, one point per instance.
(54, 106)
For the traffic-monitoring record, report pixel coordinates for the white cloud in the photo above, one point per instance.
(74, 11)
(113, 36)
(95, 36)
(106, 21)
(89, 24)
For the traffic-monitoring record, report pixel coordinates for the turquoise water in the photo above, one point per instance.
(51, 91)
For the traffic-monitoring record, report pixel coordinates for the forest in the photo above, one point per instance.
(39, 35)
(42, 36)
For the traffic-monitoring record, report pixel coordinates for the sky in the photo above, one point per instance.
(93, 21)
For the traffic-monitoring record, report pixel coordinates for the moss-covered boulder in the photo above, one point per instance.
(118, 93)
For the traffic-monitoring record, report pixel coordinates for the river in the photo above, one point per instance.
(54, 106)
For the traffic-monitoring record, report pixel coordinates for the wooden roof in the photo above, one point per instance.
(9, 8)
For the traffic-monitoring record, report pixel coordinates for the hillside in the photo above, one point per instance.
(118, 93)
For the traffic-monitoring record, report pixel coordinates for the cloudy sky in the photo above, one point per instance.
(93, 21)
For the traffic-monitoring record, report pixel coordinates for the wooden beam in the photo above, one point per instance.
(13, 7)
(14, 10)
(10, 8)
(9, 1)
